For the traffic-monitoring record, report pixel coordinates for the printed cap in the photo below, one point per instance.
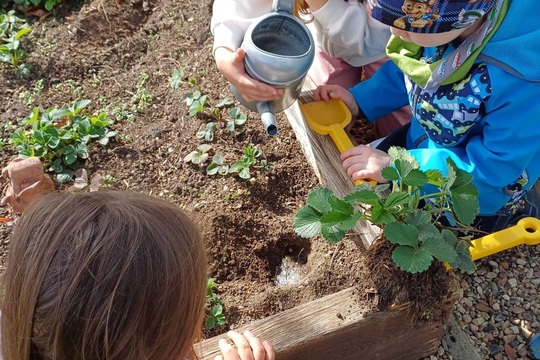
(429, 16)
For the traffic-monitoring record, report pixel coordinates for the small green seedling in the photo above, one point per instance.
(142, 98)
(195, 101)
(200, 155)
(177, 78)
(250, 158)
(217, 166)
(236, 119)
(225, 103)
(206, 131)
(12, 29)
(214, 307)
(409, 212)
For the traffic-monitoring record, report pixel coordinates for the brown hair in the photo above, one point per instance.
(300, 7)
(104, 275)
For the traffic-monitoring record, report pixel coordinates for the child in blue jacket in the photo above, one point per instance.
(469, 71)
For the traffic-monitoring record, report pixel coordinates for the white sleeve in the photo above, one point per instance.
(345, 30)
(231, 18)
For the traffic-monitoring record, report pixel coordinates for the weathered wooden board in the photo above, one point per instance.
(338, 327)
(323, 156)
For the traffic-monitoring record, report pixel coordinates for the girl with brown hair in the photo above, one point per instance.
(109, 276)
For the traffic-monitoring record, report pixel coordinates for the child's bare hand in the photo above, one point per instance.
(327, 92)
(231, 65)
(364, 162)
(246, 347)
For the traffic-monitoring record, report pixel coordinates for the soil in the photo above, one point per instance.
(100, 50)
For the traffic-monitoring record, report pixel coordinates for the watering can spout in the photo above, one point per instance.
(266, 109)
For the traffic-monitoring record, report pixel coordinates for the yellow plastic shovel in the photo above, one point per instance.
(526, 231)
(330, 118)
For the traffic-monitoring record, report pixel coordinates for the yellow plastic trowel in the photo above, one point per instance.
(526, 231)
(330, 118)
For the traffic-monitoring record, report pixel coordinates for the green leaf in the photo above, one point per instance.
(236, 167)
(218, 159)
(64, 177)
(332, 234)
(396, 198)
(350, 223)
(435, 177)
(466, 207)
(379, 215)
(415, 177)
(223, 169)
(389, 173)
(363, 196)
(176, 78)
(22, 32)
(225, 103)
(210, 323)
(334, 218)
(418, 217)
(307, 222)
(402, 234)
(340, 205)
(212, 168)
(244, 173)
(319, 199)
(230, 125)
(439, 249)
(411, 260)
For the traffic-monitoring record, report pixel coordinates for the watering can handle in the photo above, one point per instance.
(282, 6)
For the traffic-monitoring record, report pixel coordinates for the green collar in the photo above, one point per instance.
(454, 66)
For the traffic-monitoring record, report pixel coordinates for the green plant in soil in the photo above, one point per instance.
(214, 316)
(236, 119)
(142, 97)
(47, 4)
(250, 159)
(410, 212)
(12, 29)
(206, 131)
(199, 155)
(62, 137)
(217, 166)
(195, 101)
(177, 78)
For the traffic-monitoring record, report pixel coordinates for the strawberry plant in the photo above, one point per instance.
(177, 78)
(12, 29)
(217, 166)
(199, 155)
(195, 101)
(214, 316)
(62, 137)
(410, 211)
(206, 131)
(236, 119)
(47, 4)
(250, 158)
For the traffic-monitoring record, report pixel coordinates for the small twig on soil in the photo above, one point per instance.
(100, 4)
(337, 248)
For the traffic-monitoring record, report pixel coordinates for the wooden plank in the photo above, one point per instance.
(338, 326)
(323, 156)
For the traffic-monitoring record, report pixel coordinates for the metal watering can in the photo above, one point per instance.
(279, 52)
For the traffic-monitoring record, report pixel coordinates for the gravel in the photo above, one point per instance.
(499, 306)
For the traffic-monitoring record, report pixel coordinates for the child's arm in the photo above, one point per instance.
(230, 20)
(383, 93)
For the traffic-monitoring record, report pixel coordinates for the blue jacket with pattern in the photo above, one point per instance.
(488, 122)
